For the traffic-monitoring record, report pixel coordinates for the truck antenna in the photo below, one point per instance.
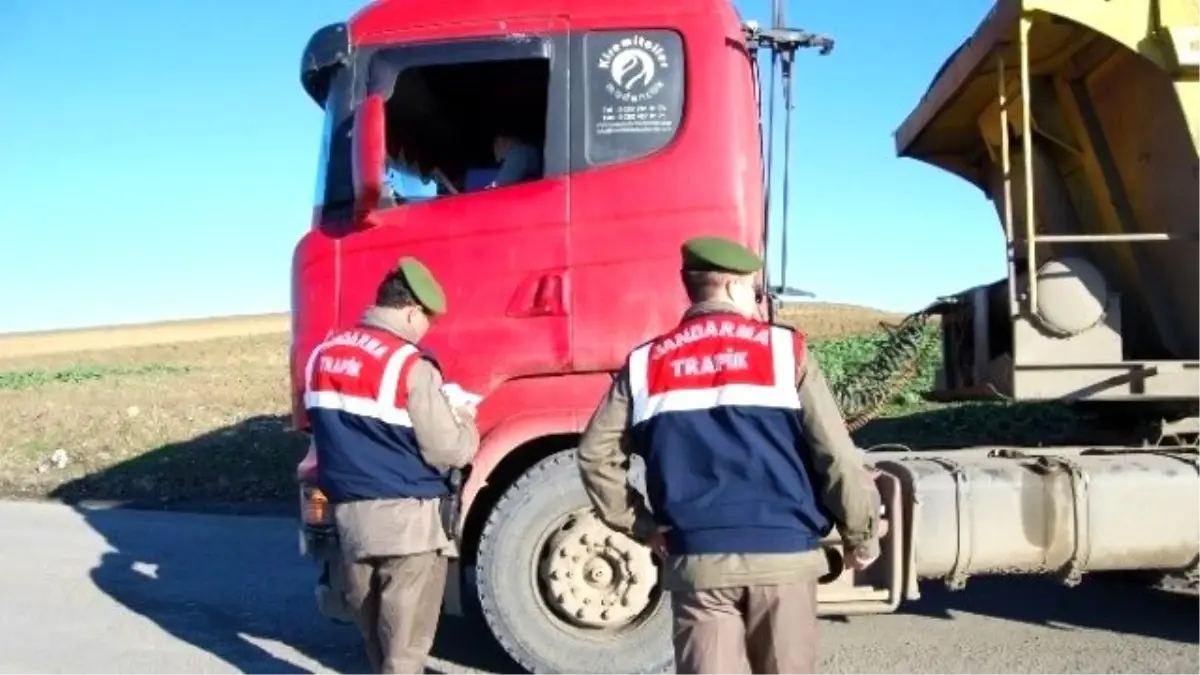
(783, 43)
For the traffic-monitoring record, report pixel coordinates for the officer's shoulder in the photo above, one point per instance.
(789, 328)
(643, 343)
(624, 369)
(427, 355)
(425, 366)
(799, 339)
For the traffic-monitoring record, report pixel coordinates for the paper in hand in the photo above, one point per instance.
(457, 396)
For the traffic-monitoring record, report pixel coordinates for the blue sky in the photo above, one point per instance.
(158, 159)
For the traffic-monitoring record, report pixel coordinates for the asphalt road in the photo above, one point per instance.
(127, 591)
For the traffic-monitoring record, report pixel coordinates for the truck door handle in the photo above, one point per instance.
(548, 301)
(540, 295)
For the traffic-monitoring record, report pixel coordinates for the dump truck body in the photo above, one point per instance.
(1096, 101)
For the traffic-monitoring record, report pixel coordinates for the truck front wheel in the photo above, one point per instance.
(559, 590)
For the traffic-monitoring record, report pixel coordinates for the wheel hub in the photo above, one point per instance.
(594, 577)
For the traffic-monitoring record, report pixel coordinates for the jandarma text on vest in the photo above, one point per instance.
(365, 341)
(699, 330)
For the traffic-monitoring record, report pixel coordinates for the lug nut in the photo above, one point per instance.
(579, 613)
(604, 614)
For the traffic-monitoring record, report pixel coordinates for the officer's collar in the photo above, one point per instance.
(710, 307)
(390, 320)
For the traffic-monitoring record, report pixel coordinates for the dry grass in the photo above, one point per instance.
(191, 421)
(134, 335)
(825, 320)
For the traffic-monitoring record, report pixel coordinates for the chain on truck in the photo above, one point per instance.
(1078, 120)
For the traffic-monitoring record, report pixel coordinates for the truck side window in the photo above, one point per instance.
(633, 94)
(455, 127)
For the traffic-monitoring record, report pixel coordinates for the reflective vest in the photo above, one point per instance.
(715, 412)
(356, 398)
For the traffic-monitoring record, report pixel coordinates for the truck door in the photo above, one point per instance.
(500, 252)
(635, 193)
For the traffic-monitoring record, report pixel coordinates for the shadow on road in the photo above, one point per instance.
(230, 585)
(1099, 603)
(221, 585)
(467, 641)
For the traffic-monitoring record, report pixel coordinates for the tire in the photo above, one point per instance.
(507, 584)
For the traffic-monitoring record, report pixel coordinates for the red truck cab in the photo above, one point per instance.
(646, 118)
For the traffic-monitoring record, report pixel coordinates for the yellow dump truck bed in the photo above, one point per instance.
(1110, 91)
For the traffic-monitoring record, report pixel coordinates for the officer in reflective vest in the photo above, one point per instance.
(386, 440)
(748, 464)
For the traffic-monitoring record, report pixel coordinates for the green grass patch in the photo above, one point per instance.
(845, 360)
(906, 418)
(14, 380)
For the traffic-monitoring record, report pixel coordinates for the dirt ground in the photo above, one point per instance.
(104, 415)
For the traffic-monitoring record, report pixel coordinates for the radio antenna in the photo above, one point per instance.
(783, 43)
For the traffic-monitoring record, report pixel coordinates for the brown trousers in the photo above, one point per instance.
(748, 629)
(396, 603)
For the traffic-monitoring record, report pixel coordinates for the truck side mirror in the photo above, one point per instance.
(369, 155)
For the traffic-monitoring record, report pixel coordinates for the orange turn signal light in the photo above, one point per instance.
(316, 507)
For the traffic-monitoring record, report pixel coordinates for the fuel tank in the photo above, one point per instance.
(1097, 101)
(979, 511)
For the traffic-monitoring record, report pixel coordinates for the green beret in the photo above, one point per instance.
(425, 289)
(718, 254)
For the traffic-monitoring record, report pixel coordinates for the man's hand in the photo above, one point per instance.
(863, 557)
(658, 544)
(867, 553)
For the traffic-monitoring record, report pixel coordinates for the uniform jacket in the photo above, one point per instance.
(838, 475)
(715, 412)
(366, 446)
(387, 503)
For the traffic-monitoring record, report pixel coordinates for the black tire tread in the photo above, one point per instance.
(535, 477)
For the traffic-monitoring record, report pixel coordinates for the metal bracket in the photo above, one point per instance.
(956, 580)
(785, 40)
(1071, 573)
